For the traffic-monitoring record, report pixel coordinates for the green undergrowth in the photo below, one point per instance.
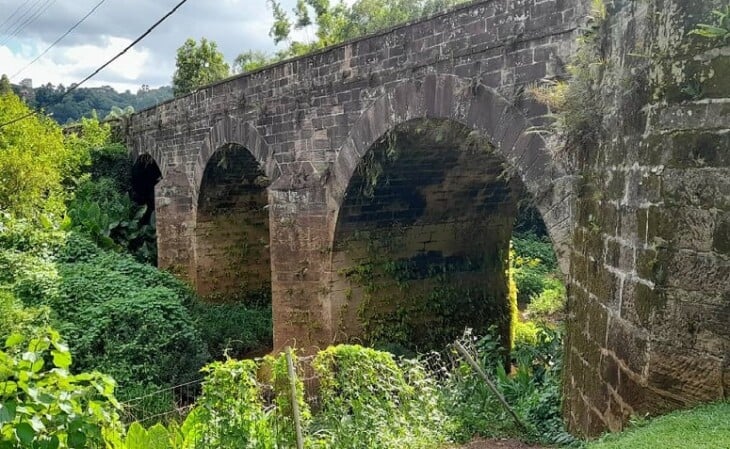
(704, 427)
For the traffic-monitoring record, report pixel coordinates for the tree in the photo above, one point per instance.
(33, 161)
(198, 65)
(5, 87)
(251, 60)
(339, 22)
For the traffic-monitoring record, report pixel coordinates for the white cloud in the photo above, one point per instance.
(71, 64)
(236, 26)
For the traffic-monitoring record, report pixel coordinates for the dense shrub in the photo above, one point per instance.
(370, 400)
(233, 329)
(128, 319)
(125, 318)
(532, 389)
(111, 219)
(42, 405)
(534, 264)
(33, 161)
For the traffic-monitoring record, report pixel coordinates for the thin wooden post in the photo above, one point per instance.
(294, 400)
(462, 350)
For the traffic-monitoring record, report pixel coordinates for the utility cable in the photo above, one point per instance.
(17, 10)
(14, 24)
(63, 36)
(29, 20)
(103, 66)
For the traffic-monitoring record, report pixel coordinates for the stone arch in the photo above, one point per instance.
(146, 144)
(428, 253)
(482, 109)
(233, 130)
(231, 235)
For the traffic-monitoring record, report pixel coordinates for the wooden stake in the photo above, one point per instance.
(462, 350)
(294, 401)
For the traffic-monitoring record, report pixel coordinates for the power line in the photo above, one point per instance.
(59, 39)
(103, 66)
(32, 18)
(14, 13)
(21, 17)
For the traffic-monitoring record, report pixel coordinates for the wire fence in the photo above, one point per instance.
(171, 406)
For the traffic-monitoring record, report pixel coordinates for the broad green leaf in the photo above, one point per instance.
(158, 437)
(76, 439)
(136, 437)
(7, 412)
(25, 433)
(8, 387)
(61, 359)
(14, 340)
(47, 443)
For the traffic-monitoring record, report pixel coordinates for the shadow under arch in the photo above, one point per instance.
(484, 111)
(425, 191)
(233, 131)
(232, 228)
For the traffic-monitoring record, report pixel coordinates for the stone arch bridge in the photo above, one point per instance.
(332, 180)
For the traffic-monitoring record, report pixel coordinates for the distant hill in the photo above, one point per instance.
(84, 100)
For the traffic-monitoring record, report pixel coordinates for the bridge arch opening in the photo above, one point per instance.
(421, 246)
(145, 175)
(232, 229)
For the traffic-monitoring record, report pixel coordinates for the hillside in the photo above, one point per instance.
(81, 102)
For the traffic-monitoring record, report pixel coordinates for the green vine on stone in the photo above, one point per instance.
(720, 30)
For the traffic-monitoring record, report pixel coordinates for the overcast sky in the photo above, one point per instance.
(236, 26)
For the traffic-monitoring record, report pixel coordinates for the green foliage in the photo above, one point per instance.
(16, 319)
(704, 427)
(110, 218)
(111, 161)
(230, 413)
(549, 303)
(128, 319)
(92, 101)
(196, 65)
(251, 60)
(370, 401)
(42, 405)
(122, 317)
(89, 136)
(339, 21)
(233, 329)
(534, 265)
(532, 389)
(720, 30)
(33, 162)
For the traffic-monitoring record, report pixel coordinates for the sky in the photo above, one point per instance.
(235, 25)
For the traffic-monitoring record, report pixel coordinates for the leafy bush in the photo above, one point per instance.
(111, 161)
(369, 400)
(233, 329)
(549, 303)
(42, 405)
(16, 319)
(126, 318)
(110, 218)
(532, 388)
(230, 412)
(33, 161)
(129, 320)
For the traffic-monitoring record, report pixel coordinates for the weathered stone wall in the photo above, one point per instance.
(309, 120)
(645, 247)
(422, 241)
(649, 306)
(232, 229)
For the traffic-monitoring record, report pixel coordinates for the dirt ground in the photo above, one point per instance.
(498, 444)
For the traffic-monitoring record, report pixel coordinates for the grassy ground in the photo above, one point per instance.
(705, 427)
